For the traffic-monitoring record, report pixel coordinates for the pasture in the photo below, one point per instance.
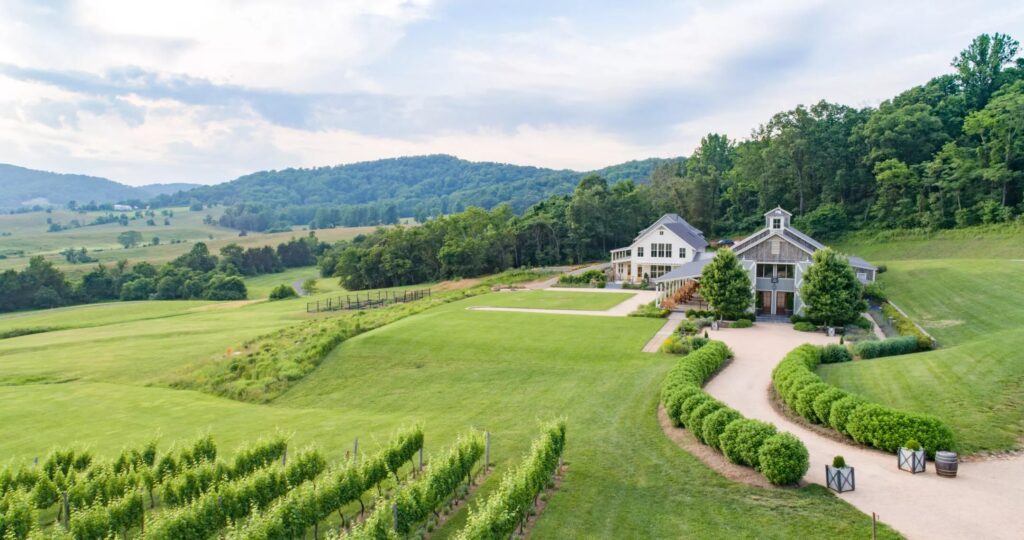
(554, 299)
(448, 368)
(29, 237)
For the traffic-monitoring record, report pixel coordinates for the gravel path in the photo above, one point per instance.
(619, 310)
(986, 500)
(671, 324)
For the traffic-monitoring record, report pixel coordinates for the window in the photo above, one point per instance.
(784, 271)
(662, 233)
(682, 253)
(640, 251)
(776, 223)
(658, 270)
(661, 250)
(776, 246)
(764, 270)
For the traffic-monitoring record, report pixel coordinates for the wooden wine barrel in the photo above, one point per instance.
(946, 464)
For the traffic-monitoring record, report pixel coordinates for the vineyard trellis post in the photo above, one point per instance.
(65, 518)
(355, 451)
(394, 515)
(284, 457)
(487, 450)
(421, 457)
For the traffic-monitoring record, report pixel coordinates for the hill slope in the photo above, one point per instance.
(431, 184)
(26, 187)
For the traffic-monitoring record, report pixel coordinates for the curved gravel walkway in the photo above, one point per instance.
(986, 500)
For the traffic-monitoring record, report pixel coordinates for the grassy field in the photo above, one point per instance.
(28, 235)
(975, 381)
(558, 300)
(260, 286)
(449, 368)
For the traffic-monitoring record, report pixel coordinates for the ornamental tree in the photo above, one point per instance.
(726, 286)
(830, 289)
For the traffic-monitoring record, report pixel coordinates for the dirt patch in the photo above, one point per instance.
(457, 284)
(685, 440)
(225, 305)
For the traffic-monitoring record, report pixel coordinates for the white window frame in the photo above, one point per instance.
(682, 253)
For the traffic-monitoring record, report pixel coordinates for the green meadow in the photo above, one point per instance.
(975, 380)
(450, 369)
(594, 301)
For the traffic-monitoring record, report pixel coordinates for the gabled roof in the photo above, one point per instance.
(690, 234)
(777, 209)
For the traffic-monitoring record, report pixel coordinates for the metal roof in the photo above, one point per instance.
(691, 269)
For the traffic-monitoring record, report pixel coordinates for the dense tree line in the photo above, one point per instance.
(197, 274)
(379, 192)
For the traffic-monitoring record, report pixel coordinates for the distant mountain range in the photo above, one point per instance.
(434, 183)
(21, 187)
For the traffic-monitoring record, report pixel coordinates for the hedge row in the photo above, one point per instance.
(17, 516)
(312, 502)
(867, 423)
(233, 501)
(835, 353)
(416, 501)
(191, 483)
(887, 347)
(509, 506)
(780, 457)
(906, 327)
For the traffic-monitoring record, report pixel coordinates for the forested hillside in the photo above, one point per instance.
(379, 192)
(20, 187)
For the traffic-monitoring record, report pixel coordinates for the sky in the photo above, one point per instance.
(207, 90)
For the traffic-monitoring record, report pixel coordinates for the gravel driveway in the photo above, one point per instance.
(986, 500)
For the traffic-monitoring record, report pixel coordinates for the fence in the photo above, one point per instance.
(366, 301)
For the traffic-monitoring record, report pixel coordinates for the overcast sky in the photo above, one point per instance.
(207, 90)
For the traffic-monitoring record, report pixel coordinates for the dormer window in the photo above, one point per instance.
(777, 223)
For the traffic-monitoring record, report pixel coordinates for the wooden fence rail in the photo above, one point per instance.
(366, 301)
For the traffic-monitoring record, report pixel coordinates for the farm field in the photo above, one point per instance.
(450, 369)
(28, 235)
(975, 381)
(259, 287)
(595, 301)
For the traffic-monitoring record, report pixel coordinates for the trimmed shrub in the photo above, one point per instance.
(887, 347)
(696, 423)
(715, 423)
(823, 404)
(804, 326)
(887, 429)
(691, 405)
(675, 345)
(742, 440)
(803, 403)
(674, 403)
(840, 412)
(741, 323)
(783, 459)
(699, 314)
(834, 354)
(868, 423)
(839, 462)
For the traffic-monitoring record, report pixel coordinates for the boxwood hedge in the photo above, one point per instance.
(888, 347)
(783, 459)
(883, 427)
(715, 424)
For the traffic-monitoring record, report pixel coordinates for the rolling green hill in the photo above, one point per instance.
(21, 187)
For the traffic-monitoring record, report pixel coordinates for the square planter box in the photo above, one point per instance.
(910, 460)
(839, 479)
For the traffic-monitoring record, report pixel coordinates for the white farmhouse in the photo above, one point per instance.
(775, 259)
(667, 244)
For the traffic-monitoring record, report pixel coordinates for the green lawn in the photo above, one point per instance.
(558, 300)
(260, 286)
(975, 381)
(449, 368)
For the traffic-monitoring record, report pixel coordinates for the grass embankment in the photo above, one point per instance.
(593, 301)
(448, 368)
(975, 382)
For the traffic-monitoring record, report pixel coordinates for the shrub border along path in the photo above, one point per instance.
(986, 500)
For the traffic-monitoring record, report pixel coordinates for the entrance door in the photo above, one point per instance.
(766, 303)
(780, 303)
